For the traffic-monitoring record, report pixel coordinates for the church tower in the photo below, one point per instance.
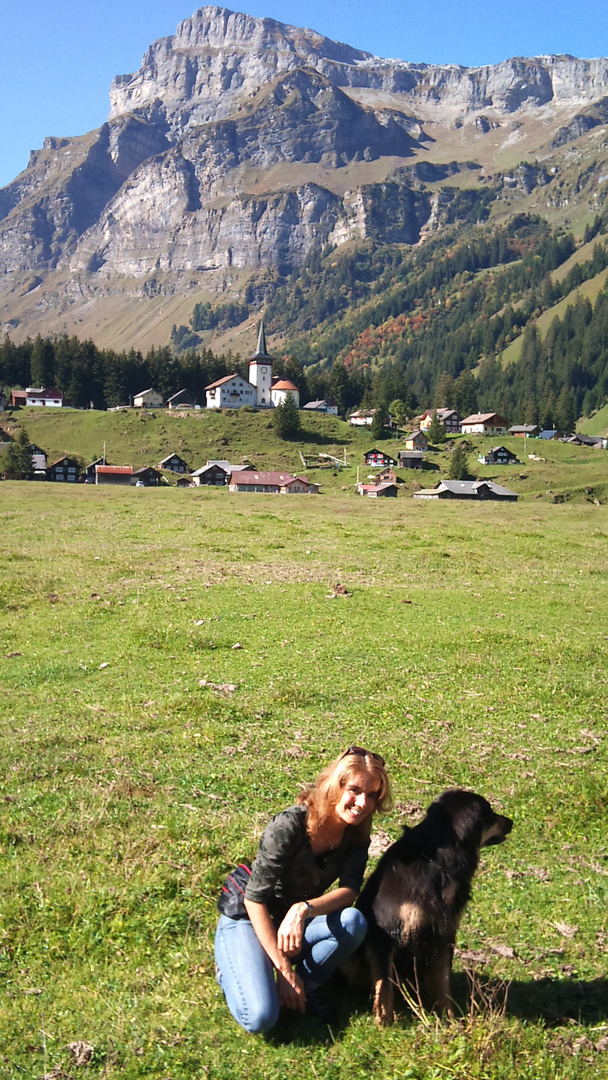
(260, 370)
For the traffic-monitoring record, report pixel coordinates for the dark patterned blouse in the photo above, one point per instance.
(286, 871)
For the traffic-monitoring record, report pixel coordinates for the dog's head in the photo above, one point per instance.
(472, 818)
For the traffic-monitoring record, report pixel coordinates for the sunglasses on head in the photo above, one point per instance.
(360, 751)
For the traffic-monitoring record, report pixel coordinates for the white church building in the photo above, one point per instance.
(233, 391)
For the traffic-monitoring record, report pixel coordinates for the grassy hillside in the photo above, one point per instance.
(596, 424)
(142, 752)
(145, 438)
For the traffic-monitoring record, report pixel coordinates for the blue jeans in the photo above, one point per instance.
(246, 975)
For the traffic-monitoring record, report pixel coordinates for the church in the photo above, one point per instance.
(233, 391)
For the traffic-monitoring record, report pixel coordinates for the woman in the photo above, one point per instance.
(290, 925)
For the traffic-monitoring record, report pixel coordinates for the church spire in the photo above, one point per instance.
(261, 352)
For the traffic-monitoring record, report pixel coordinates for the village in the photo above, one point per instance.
(263, 392)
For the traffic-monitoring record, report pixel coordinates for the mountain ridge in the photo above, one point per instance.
(241, 144)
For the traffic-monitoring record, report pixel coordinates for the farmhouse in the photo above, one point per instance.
(231, 392)
(499, 455)
(387, 475)
(416, 441)
(378, 459)
(39, 396)
(274, 483)
(378, 491)
(65, 470)
(213, 474)
(362, 418)
(524, 431)
(113, 474)
(484, 424)
(410, 459)
(596, 441)
(148, 399)
(448, 417)
(174, 463)
(467, 489)
(147, 477)
(322, 406)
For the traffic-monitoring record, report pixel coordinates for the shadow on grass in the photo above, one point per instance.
(551, 1001)
(554, 1001)
(315, 437)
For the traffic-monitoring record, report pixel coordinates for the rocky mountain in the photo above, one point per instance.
(242, 143)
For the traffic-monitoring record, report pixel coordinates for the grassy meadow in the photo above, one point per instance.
(174, 664)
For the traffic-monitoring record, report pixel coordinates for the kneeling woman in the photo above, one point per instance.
(290, 924)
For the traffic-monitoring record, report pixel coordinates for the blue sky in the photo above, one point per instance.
(59, 56)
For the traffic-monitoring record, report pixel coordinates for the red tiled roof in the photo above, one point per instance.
(284, 384)
(122, 470)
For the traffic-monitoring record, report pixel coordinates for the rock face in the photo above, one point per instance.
(242, 142)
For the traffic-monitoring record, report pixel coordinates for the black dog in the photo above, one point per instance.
(415, 898)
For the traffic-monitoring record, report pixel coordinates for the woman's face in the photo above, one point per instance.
(357, 799)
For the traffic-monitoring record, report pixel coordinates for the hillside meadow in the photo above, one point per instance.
(174, 664)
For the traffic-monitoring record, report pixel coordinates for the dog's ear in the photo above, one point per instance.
(470, 814)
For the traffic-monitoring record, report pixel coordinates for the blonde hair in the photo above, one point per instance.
(323, 796)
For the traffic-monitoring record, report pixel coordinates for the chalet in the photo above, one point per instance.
(484, 424)
(182, 400)
(185, 482)
(44, 397)
(417, 440)
(213, 474)
(448, 417)
(378, 459)
(274, 483)
(148, 399)
(113, 474)
(174, 463)
(147, 477)
(378, 491)
(323, 406)
(65, 470)
(467, 489)
(362, 418)
(280, 391)
(387, 476)
(499, 455)
(410, 459)
(524, 431)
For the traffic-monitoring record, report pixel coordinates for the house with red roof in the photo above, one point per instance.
(271, 483)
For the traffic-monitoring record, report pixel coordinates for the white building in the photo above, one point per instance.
(362, 418)
(484, 424)
(280, 390)
(148, 399)
(233, 391)
(39, 396)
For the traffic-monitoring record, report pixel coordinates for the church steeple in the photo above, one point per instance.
(260, 370)
(261, 352)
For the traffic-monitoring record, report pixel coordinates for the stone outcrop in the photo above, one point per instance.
(242, 142)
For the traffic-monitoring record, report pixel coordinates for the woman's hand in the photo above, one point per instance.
(290, 934)
(291, 989)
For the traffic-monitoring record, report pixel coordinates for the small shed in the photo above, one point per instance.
(113, 474)
(410, 459)
(524, 431)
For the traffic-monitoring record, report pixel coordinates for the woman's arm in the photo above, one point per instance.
(291, 931)
(289, 985)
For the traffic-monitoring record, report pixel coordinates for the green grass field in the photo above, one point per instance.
(174, 664)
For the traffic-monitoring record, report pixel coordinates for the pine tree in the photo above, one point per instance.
(459, 466)
(378, 428)
(286, 418)
(17, 459)
(436, 432)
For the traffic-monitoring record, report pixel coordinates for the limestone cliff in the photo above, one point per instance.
(242, 142)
